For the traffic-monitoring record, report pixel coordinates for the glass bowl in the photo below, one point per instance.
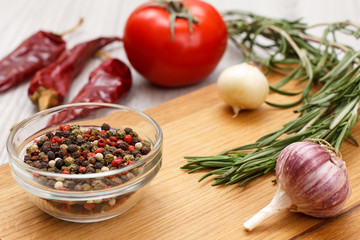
(120, 188)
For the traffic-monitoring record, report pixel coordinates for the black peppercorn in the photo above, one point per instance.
(69, 184)
(62, 153)
(65, 134)
(45, 148)
(40, 143)
(55, 147)
(51, 155)
(117, 152)
(85, 163)
(67, 141)
(72, 148)
(105, 127)
(135, 140)
(49, 135)
(80, 141)
(75, 154)
(59, 163)
(92, 160)
(98, 165)
(50, 183)
(128, 130)
(44, 164)
(123, 145)
(136, 152)
(37, 164)
(72, 139)
(145, 150)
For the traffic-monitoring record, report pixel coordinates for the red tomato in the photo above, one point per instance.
(187, 58)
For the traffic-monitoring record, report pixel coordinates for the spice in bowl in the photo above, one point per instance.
(72, 149)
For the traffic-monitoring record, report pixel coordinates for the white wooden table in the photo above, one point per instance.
(21, 18)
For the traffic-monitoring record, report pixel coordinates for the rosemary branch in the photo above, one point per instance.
(329, 114)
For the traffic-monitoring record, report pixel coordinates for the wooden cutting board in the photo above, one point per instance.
(175, 205)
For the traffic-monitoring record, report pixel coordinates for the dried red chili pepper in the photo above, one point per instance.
(37, 51)
(108, 83)
(50, 84)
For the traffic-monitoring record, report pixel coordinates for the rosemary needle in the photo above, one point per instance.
(328, 114)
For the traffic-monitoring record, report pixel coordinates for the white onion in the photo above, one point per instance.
(311, 178)
(243, 86)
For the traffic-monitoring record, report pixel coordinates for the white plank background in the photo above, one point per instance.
(21, 18)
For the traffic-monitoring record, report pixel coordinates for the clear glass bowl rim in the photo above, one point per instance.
(150, 156)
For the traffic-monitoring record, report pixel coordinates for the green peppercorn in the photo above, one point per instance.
(109, 158)
(73, 167)
(41, 154)
(98, 184)
(86, 187)
(134, 134)
(146, 143)
(128, 157)
(65, 168)
(72, 127)
(76, 132)
(120, 134)
(42, 180)
(138, 157)
(63, 147)
(105, 206)
(69, 161)
(85, 146)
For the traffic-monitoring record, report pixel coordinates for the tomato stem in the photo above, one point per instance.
(176, 10)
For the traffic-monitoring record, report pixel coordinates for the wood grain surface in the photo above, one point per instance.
(175, 205)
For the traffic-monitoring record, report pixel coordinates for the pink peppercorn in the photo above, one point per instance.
(102, 142)
(131, 148)
(82, 169)
(113, 138)
(128, 138)
(99, 150)
(89, 206)
(116, 162)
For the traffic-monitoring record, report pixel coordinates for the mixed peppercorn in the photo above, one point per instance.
(75, 150)
(72, 149)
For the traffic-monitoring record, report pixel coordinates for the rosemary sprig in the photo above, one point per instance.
(329, 114)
